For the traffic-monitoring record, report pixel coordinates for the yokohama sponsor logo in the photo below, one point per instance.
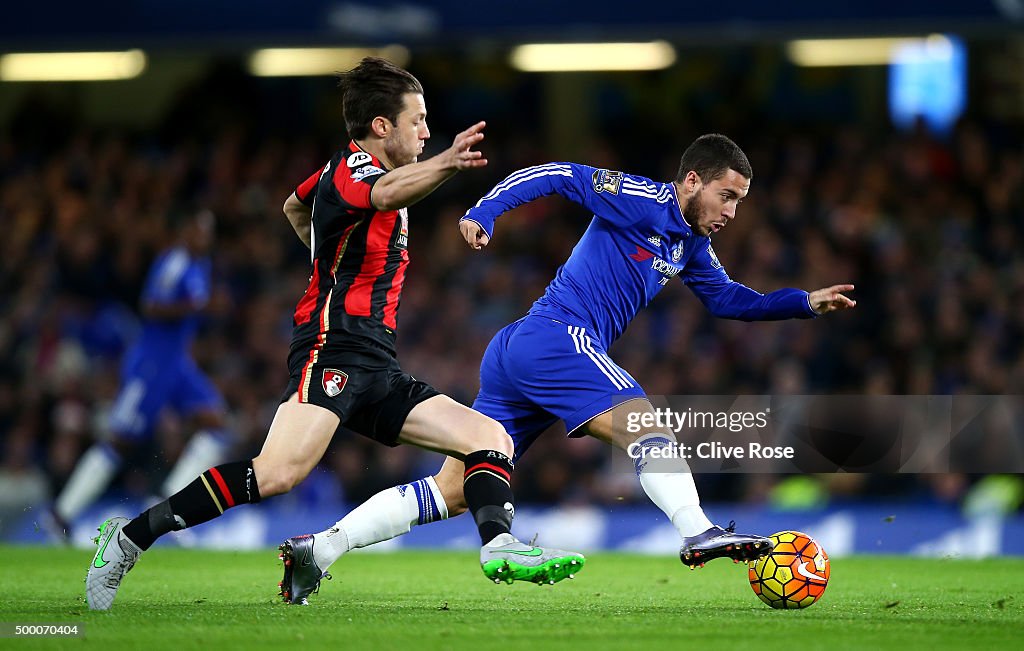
(664, 268)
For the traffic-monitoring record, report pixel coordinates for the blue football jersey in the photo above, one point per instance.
(174, 277)
(637, 241)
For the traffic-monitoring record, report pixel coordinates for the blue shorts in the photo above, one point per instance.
(538, 371)
(149, 384)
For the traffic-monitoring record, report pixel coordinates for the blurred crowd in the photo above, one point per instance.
(929, 229)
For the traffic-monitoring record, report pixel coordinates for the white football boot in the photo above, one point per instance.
(115, 555)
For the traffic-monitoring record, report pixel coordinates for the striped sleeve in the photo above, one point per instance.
(354, 184)
(306, 191)
(618, 198)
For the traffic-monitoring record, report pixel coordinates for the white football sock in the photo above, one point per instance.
(387, 514)
(89, 479)
(205, 450)
(669, 484)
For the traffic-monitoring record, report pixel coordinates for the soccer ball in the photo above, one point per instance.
(793, 575)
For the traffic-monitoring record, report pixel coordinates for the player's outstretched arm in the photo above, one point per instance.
(300, 217)
(830, 299)
(595, 189)
(404, 186)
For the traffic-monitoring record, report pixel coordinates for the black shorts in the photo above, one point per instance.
(364, 386)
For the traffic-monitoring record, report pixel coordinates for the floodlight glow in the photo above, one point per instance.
(846, 51)
(301, 62)
(71, 66)
(586, 57)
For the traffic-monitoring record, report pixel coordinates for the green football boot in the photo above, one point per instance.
(505, 559)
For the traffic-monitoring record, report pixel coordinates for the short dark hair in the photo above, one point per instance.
(374, 87)
(711, 156)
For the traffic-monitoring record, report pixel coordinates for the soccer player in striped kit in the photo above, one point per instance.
(343, 365)
(553, 363)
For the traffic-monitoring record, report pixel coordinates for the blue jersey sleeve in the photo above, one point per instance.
(728, 299)
(606, 193)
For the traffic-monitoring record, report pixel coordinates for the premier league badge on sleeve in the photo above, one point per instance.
(607, 181)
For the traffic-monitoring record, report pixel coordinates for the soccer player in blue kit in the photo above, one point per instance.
(553, 364)
(158, 372)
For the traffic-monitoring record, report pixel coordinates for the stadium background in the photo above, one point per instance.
(926, 221)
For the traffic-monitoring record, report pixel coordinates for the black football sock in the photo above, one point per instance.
(212, 493)
(488, 490)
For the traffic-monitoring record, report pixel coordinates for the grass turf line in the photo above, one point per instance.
(179, 599)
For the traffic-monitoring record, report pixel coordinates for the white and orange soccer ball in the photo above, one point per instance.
(793, 575)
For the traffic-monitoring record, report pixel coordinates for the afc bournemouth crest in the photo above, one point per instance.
(334, 381)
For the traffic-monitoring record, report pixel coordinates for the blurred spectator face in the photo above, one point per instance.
(199, 232)
(714, 204)
(404, 142)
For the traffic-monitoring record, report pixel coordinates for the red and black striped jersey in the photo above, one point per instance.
(359, 255)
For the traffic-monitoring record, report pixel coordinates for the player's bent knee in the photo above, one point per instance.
(479, 433)
(277, 479)
(492, 436)
(279, 484)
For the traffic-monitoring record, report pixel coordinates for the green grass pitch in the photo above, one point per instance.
(189, 599)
